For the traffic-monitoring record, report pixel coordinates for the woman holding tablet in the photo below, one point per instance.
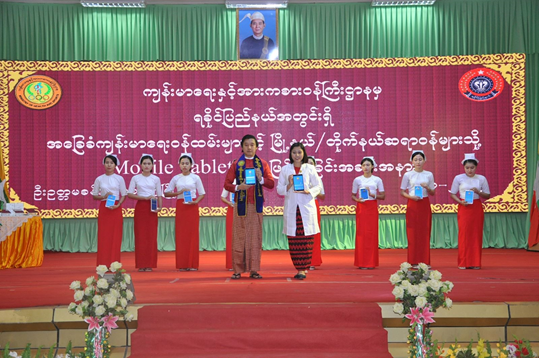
(367, 189)
(188, 189)
(300, 185)
(417, 185)
(467, 190)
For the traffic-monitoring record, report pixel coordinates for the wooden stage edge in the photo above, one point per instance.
(45, 326)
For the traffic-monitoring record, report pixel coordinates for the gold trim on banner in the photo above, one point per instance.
(511, 67)
(504, 69)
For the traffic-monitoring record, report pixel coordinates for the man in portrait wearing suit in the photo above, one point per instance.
(256, 46)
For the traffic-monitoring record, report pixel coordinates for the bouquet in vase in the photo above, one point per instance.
(101, 303)
(419, 292)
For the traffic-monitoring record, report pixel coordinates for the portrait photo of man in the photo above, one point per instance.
(256, 33)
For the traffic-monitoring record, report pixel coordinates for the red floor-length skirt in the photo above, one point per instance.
(366, 252)
(229, 229)
(110, 225)
(145, 235)
(187, 235)
(470, 219)
(418, 227)
(317, 246)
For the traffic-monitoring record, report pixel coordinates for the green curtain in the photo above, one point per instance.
(338, 233)
(55, 32)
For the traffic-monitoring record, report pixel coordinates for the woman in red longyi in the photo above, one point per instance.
(147, 187)
(110, 220)
(366, 252)
(416, 186)
(470, 213)
(188, 189)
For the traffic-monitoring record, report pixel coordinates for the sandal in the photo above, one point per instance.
(236, 276)
(255, 275)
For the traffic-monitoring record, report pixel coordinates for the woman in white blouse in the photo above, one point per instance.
(366, 252)
(109, 219)
(148, 187)
(300, 221)
(470, 212)
(188, 189)
(417, 185)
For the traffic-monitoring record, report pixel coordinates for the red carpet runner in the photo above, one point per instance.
(260, 330)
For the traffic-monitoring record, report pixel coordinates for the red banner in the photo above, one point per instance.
(60, 120)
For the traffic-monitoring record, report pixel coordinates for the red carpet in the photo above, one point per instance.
(507, 275)
(260, 330)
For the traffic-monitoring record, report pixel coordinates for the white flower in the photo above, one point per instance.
(406, 285)
(422, 289)
(435, 285)
(423, 266)
(90, 280)
(75, 285)
(127, 278)
(448, 302)
(398, 292)
(123, 285)
(101, 269)
(413, 290)
(449, 285)
(102, 283)
(84, 304)
(78, 295)
(89, 291)
(14, 355)
(128, 295)
(110, 301)
(420, 301)
(398, 308)
(98, 299)
(114, 292)
(115, 266)
(435, 275)
(405, 266)
(79, 311)
(123, 302)
(129, 317)
(99, 310)
(72, 306)
(395, 278)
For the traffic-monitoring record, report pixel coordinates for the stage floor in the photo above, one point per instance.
(507, 275)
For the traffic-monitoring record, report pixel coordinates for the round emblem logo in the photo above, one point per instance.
(241, 163)
(38, 92)
(481, 84)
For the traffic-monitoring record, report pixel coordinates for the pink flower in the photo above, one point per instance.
(427, 315)
(413, 316)
(93, 323)
(109, 322)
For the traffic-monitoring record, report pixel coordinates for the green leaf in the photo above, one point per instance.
(6, 351)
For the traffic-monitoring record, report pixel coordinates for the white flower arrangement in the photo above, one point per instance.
(418, 294)
(103, 296)
(417, 288)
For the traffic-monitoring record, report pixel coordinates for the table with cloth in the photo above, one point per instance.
(21, 241)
